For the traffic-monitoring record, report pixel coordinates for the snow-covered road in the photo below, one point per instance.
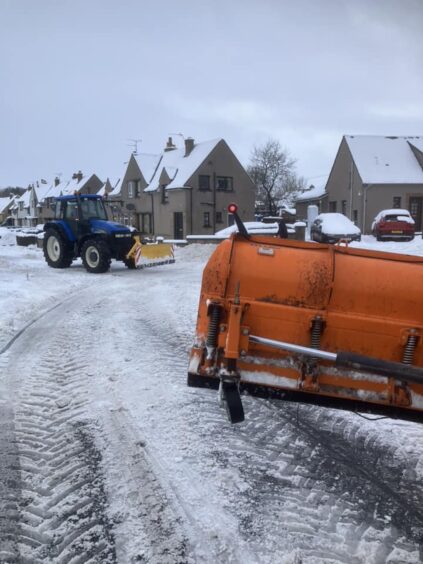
(107, 456)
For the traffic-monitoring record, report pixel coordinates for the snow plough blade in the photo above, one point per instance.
(323, 324)
(154, 254)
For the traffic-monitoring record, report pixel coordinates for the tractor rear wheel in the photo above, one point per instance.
(57, 251)
(96, 256)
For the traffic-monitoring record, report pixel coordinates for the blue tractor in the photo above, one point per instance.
(81, 229)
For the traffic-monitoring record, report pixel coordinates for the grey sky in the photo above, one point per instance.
(78, 78)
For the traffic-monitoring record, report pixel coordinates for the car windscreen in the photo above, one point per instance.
(93, 209)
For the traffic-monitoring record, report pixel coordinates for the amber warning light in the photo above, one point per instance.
(232, 208)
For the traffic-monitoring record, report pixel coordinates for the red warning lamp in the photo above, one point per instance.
(232, 208)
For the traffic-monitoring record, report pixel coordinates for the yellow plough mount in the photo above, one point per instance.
(150, 254)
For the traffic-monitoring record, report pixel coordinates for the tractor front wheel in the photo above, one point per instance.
(95, 255)
(57, 251)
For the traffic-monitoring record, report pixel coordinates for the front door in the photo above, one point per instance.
(178, 225)
(416, 211)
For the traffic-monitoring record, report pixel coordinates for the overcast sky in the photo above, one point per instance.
(79, 78)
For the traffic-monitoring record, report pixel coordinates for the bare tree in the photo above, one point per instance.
(272, 170)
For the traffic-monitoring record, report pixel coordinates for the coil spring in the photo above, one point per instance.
(213, 328)
(316, 331)
(410, 347)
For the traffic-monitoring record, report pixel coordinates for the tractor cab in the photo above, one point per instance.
(82, 213)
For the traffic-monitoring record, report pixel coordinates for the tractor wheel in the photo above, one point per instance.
(233, 402)
(95, 255)
(57, 251)
(130, 263)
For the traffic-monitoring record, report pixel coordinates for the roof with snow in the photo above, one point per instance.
(147, 164)
(315, 192)
(5, 202)
(178, 167)
(386, 160)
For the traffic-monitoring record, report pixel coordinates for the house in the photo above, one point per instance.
(373, 172)
(316, 196)
(46, 193)
(184, 190)
(6, 204)
(24, 212)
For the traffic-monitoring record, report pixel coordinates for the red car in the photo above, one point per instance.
(393, 224)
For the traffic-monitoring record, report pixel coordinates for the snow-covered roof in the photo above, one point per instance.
(117, 188)
(178, 167)
(147, 164)
(386, 160)
(5, 202)
(25, 198)
(312, 193)
(112, 184)
(74, 185)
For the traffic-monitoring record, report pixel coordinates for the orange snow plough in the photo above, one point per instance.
(323, 324)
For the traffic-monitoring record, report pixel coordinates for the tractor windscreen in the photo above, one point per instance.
(93, 209)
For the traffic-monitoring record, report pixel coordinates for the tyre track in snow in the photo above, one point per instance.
(310, 478)
(61, 506)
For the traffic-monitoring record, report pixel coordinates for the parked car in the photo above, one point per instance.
(394, 224)
(332, 227)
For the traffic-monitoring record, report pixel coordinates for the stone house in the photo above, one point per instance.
(184, 190)
(46, 193)
(371, 173)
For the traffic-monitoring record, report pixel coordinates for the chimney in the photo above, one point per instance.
(77, 176)
(189, 146)
(57, 181)
(169, 145)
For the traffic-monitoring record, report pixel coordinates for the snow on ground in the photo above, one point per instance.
(99, 379)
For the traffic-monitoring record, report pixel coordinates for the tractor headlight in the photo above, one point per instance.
(120, 235)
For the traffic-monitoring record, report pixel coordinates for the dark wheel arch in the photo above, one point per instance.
(58, 252)
(96, 255)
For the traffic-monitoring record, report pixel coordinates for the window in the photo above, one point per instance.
(355, 216)
(332, 207)
(204, 182)
(139, 188)
(146, 223)
(164, 194)
(397, 202)
(206, 219)
(224, 183)
(131, 189)
(219, 218)
(344, 207)
(71, 211)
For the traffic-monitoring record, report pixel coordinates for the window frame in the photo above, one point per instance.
(229, 185)
(202, 177)
(131, 188)
(206, 219)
